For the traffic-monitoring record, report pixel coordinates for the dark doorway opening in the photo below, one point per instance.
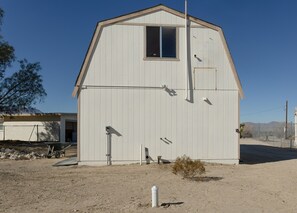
(71, 131)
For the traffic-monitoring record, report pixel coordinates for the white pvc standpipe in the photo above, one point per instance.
(155, 197)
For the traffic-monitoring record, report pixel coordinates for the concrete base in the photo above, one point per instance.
(104, 163)
(68, 162)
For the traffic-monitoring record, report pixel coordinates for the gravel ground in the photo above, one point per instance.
(254, 186)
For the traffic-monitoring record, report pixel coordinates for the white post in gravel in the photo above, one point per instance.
(155, 196)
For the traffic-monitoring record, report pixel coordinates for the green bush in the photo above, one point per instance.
(187, 168)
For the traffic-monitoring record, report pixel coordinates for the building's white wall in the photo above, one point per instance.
(26, 130)
(207, 45)
(119, 59)
(200, 130)
(144, 115)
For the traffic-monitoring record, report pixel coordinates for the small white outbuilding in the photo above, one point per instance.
(152, 81)
(39, 127)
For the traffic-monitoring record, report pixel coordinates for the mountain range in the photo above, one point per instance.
(274, 128)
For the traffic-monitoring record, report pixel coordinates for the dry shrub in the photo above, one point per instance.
(188, 168)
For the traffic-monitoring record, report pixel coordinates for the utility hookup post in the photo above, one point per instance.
(286, 124)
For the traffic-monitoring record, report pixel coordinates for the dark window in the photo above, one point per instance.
(153, 41)
(161, 42)
(168, 42)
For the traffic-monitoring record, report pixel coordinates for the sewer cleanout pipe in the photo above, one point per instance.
(155, 197)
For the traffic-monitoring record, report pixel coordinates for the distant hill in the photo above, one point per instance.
(260, 130)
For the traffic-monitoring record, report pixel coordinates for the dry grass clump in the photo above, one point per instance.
(187, 168)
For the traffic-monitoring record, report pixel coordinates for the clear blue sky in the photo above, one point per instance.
(262, 37)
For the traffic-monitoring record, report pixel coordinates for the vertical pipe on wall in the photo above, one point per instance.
(186, 50)
(161, 52)
(140, 157)
(108, 148)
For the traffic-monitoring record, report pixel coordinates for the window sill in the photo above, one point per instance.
(160, 59)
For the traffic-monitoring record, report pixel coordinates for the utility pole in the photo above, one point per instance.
(286, 125)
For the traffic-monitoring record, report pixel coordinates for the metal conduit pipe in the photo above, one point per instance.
(108, 147)
(186, 51)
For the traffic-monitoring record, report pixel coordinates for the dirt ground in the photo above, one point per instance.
(260, 183)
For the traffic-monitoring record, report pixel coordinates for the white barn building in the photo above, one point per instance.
(138, 79)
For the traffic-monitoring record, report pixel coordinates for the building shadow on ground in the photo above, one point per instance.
(258, 154)
(206, 178)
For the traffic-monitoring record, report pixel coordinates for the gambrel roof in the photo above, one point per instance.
(126, 17)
